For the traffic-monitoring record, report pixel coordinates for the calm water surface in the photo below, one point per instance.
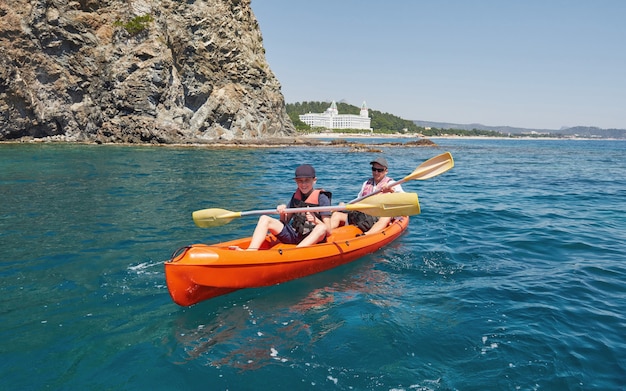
(512, 278)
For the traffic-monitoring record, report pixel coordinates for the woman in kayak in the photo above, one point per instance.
(379, 180)
(302, 229)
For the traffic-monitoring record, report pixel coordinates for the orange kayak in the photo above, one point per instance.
(199, 272)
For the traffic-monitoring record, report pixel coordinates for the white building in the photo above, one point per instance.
(331, 119)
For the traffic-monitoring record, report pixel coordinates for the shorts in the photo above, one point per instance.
(288, 235)
(361, 220)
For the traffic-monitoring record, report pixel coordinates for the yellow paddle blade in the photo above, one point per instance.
(432, 167)
(388, 205)
(213, 217)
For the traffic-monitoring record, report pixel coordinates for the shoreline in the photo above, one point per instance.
(359, 135)
(326, 139)
(328, 135)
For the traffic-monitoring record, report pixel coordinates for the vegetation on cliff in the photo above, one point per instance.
(136, 25)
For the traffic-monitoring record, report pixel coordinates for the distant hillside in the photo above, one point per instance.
(591, 131)
(579, 131)
(389, 123)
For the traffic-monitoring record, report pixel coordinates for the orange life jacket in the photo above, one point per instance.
(298, 220)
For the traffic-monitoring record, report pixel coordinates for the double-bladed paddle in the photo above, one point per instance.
(430, 168)
(381, 205)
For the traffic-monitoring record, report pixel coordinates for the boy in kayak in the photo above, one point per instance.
(302, 229)
(379, 180)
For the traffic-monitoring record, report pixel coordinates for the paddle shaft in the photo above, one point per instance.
(312, 209)
(382, 205)
(294, 210)
(391, 185)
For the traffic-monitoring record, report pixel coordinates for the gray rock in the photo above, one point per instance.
(183, 72)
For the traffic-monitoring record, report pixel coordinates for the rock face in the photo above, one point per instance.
(138, 71)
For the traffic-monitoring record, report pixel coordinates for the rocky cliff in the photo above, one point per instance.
(138, 71)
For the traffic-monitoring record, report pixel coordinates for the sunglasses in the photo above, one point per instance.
(378, 169)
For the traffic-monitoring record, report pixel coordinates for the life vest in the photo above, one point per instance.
(369, 186)
(298, 220)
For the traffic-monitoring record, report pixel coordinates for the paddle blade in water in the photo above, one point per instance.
(213, 217)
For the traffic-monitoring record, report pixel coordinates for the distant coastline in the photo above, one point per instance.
(323, 139)
(331, 135)
(360, 135)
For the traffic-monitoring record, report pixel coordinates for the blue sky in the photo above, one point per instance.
(540, 64)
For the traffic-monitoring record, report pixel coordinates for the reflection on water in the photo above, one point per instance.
(263, 331)
(287, 323)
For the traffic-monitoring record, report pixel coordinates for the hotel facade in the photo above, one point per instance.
(331, 119)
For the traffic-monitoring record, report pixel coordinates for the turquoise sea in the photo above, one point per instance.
(512, 278)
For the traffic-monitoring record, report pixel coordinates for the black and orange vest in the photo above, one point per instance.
(298, 220)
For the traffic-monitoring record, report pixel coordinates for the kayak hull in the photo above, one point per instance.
(199, 272)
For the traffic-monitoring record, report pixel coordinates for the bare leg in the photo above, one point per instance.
(318, 233)
(266, 223)
(381, 224)
(338, 219)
